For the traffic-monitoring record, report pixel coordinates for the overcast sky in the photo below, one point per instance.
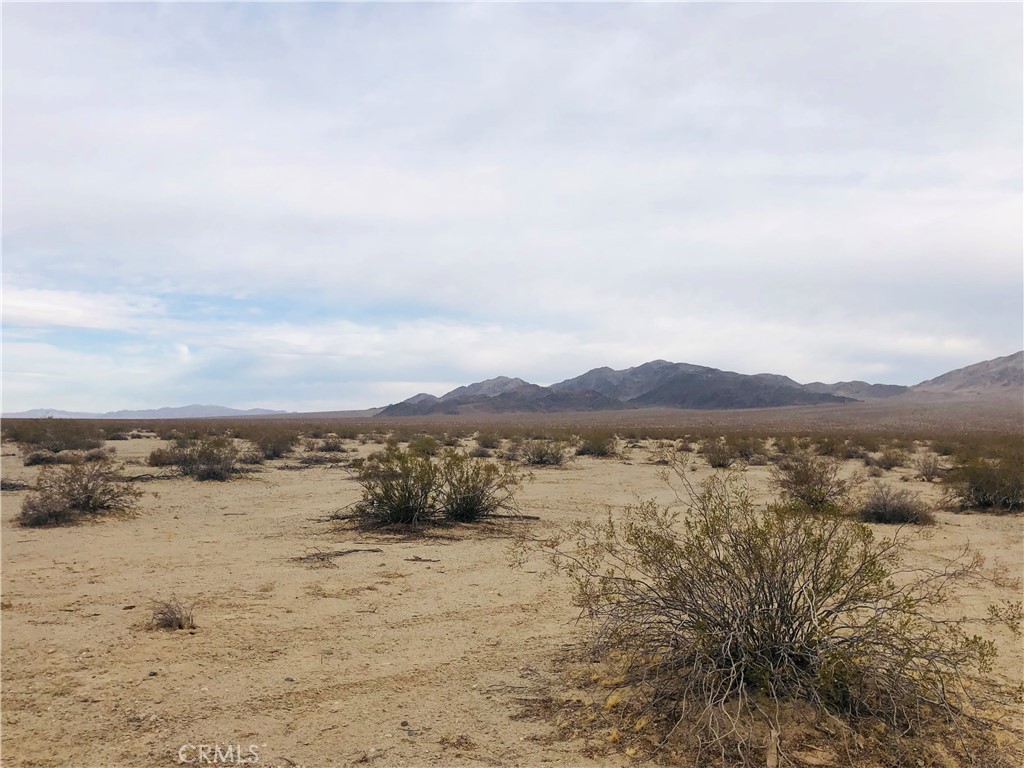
(318, 207)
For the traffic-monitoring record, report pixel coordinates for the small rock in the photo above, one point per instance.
(405, 723)
(289, 679)
(152, 674)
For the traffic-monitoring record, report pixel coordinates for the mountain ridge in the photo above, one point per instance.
(660, 383)
(194, 411)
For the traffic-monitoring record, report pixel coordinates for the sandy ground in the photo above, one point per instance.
(423, 653)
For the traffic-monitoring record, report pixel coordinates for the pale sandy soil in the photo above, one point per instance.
(383, 658)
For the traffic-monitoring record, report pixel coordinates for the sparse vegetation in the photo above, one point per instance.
(67, 494)
(543, 453)
(719, 453)
(470, 490)
(597, 442)
(812, 481)
(993, 483)
(172, 614)
(717, 621)
(894, 506)
(211, 458)
(407, 488)
(53, 435)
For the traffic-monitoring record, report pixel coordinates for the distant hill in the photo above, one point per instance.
(662, 384)
(182, 412)
(658, 383)
(1001, 376)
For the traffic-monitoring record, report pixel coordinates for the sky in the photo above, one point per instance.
(318, 207)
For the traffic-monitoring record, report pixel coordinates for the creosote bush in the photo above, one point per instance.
(67, 494)
(812, 481)
(469, 489)
(212, 458)
(597, 442)
(993, 483)
(719, 453)
(54, 435)
(720, 618)
(543, 453)
(408, 488)
(885, 504)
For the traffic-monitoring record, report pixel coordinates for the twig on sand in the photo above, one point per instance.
(319, 558)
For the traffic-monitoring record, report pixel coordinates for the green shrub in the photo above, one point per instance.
(889, 459)
(722, 619)
(333, 445)
(161, 457)
(894, 506)
(54, 435)
(407, 488)
(275, 442)
(543, 453)
(470, 490)
(811, 481)
(995, 483)
(399, 487)
(63, 496)
(488, 440)
(597, 442)
(424, 445)
(718, 453)
(211, 458)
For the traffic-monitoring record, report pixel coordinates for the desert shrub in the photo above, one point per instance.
(407, 488)
(597, 442)
(543, 453)
(811, 481)
(928, 466)
(470, 490)
(117, 436)
(479, 452)
(995, 483)
(830, 445)
(786, 445)
(488, 440)
(211, 458)
(885, 504)
(399, 487)
(333, 445)
(684, 446)
(172, 614)
(251, 456)
(874, 471)
(719, 620)
(424, 445)
(718, 453)
(53, 435)
(751, 449)
(890, 458)
(65, 495)
(161, 457)
(43, 458)
(274, 442)
(98, 454)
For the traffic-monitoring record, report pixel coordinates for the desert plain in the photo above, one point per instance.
(321, 644)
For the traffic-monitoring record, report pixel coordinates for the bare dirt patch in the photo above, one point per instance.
(411, 651)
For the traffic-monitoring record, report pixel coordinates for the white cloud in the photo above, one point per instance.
(454, 192)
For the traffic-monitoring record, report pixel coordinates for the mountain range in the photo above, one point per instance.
(662, 384)
(182, 412)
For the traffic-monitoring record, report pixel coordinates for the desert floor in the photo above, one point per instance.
(414, 651)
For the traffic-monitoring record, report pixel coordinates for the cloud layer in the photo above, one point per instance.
(331, 206)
